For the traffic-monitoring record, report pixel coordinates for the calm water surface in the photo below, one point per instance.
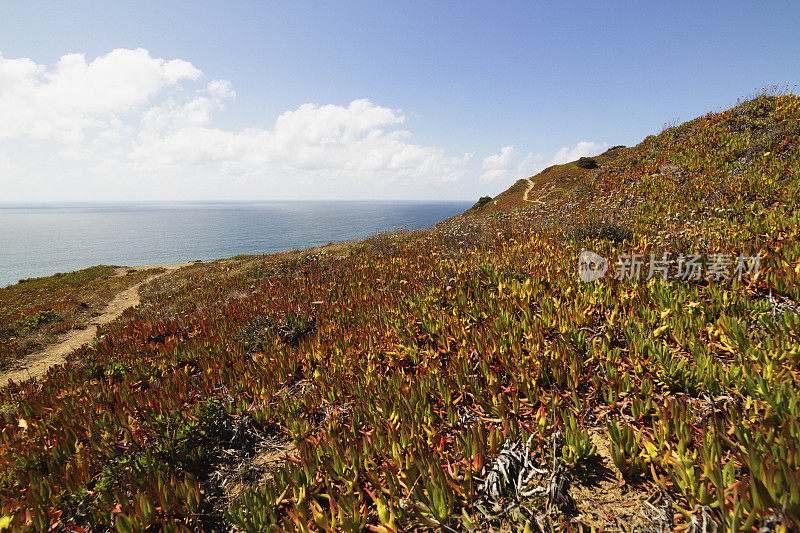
(42, 239)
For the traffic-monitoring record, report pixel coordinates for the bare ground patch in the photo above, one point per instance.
(604, 500)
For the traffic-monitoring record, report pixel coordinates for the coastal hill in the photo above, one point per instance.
(546, 186)
(483, 375)
(716, 159)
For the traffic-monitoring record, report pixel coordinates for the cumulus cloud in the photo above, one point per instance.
(64, 101)
(130, 125)
(582, 149)
(132, 116)
(328, 142)
(508, 164)
(221, 89)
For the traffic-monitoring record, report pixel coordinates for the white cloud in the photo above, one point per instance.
(499, 161)
(508, 165)
(127, 116)
(582, 149)
(220, 89)
(62, 102)
(130, 126)
(327, 142)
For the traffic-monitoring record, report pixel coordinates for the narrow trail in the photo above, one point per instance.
(528, 190)
(543, 194)
(36, 364)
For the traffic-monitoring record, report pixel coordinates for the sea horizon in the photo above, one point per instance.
(43, 238)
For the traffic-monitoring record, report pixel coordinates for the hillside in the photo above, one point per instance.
(545, 187)
(462, 378)
(36, 311)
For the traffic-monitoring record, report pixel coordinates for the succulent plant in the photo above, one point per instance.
(394, 379)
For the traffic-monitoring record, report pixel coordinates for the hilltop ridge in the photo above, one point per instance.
(544, 187)
(715, 159)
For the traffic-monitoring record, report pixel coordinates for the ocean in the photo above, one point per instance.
(42, 239)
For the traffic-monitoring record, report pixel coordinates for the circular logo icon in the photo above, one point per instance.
(591, 266)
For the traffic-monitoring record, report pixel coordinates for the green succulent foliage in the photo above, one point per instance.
(36, 320)
(578, 445)
(392, 380)
(625, 450)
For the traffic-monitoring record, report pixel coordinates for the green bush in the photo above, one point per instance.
(587, 162)
(599, 228)
(482, 201)
(39, 319)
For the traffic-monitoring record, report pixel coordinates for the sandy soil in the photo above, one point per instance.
(528, 190)
(526, 194)
(607, 502)
(37, 363)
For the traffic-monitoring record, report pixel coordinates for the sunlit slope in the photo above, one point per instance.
(456, 378)
(35, 311)
(549, 185)
(744, 156)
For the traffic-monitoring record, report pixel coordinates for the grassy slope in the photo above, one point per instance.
(392, 371)
(33, 311)
(548, 185)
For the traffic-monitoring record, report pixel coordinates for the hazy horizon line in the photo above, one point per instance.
(251, 201)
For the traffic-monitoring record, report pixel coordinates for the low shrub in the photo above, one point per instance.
(586, 162)
(601, 228)
(482, 201)
(39, 319)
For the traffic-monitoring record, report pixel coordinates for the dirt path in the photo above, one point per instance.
(527, 192)
(604, 499)
(37, 363)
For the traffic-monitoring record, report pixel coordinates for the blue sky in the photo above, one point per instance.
(442, 90)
